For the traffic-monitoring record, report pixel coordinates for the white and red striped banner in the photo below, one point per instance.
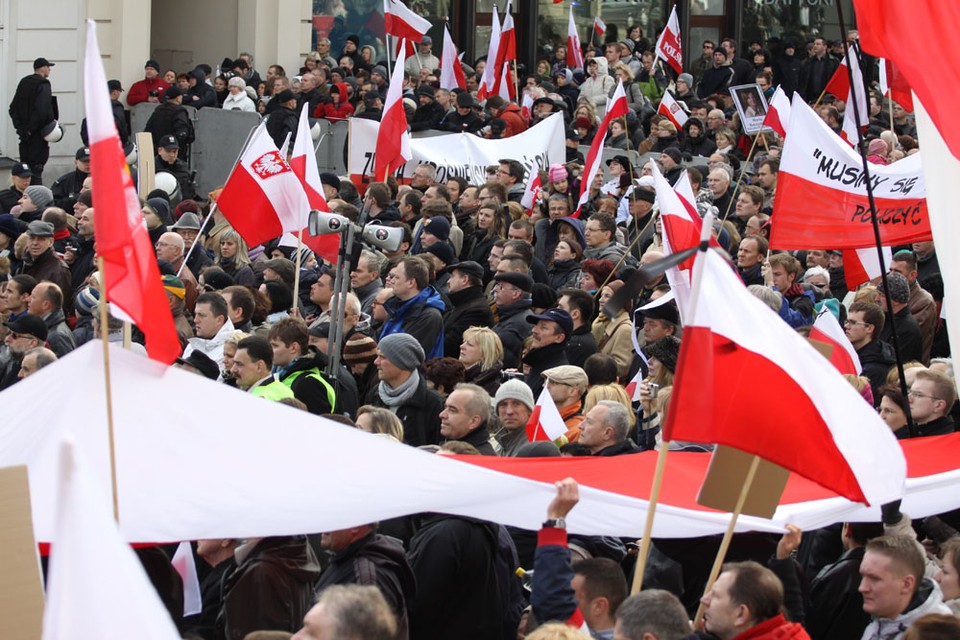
(617, 108)
(822, 197)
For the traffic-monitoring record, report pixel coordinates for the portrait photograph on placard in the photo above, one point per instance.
(751, 105)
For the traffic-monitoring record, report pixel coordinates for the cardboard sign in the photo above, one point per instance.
(21, 588)
(726, 475)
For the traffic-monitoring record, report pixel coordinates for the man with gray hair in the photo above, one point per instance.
(653, 614)
(465, 417)
(604, 429)
(34, 360)
(349, 612)
(365, 279)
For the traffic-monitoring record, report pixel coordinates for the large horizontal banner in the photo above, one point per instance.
(458, 154)
(822, 196)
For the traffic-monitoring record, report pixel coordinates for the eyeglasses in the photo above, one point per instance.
(853, 323)
(918, 394)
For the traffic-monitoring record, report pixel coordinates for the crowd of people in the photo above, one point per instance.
(449, 340)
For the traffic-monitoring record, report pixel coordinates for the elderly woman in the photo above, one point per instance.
(237, 98)
(482, 354)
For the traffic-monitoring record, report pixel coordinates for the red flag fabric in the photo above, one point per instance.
(599, 26)
(531, 191)
(816, 424)
(911, 34)
(778, 112)
(130, 273)
(893, 83)
(451, 71)
(859, 99)
(671, 109)
(545, 423)
(393, 141)
(668, 44)
(489, 79)
(862, 265)
(822, 197)
(839, 84)
(508, 39)
(574, 50)
(304, 164)
(826, 328)
(402, 23)
(263, 197)
(616, 108)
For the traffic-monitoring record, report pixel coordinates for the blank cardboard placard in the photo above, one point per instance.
(21, 589)
(726, 475)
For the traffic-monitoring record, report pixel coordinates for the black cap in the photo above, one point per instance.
(667, 311)
(169, 142)
(83, 153)
(330, 179)
(443, 251)
(152, 64)
(173, 91)
(520, 280)
(285, 96)
(42, 62)
(202, 363)
(29, 324)
(21, 170)
(427, 90)
(465, 99)
(623, 161)
(561, 317)
(468, 267)
(114, 85)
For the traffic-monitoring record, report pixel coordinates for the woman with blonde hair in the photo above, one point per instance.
(379, 420)
(662, 358)
(481, 352)
(235, 259)
(229, 351)
(612, 391)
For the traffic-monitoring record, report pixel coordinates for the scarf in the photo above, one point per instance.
(393, 397)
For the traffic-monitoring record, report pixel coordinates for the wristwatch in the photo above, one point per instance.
(556, 523)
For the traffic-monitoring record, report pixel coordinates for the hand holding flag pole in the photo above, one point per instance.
(647, 272)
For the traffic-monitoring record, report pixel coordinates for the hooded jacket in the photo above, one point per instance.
(211, 347)
(421, 316)
(700, 145)
(597, 89)
(515, 121)
(32, 106)
(200, 95)
(338, 111)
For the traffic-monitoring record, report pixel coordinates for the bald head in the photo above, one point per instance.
(170, 247)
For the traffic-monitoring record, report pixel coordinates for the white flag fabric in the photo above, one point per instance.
(96, 586)
(183, 561)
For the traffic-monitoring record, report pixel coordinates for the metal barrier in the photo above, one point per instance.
(220, 138)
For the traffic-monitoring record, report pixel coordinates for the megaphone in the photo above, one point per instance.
(321, 223)
(383, 237)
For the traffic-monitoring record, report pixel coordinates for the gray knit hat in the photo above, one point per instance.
(40, 195)
(514, 390)
(686, 77)
(403, 350)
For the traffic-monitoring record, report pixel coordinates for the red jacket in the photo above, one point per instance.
(776, 628)
(514, 119)
(140, 91)
(335, 111)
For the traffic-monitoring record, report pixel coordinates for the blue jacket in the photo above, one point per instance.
(421, 316)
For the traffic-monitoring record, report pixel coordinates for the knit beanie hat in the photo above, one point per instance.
(686, 77)
(85, 300)
(40, 195)
(403, 350)
(666, 350)
(558, 172)
(174, 285)
(899, 288)
(438, 226)
(514, 390)
(359, 349)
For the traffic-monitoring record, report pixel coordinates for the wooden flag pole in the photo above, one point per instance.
(728, 535)
(104, 338)
(733, 195)
(296, 276)
(641, 563)
(890, 99)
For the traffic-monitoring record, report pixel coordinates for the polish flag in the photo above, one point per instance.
(185, 565)
(863, 265)
(858, 98)
(778, 112)
(506, 53)
(532, 190)
(894, 84)
(599, 26)
(668, 44)
(822, 198)
(826, 328)
(393, 140)
(304, 165)
(451, 71)
(505, 88)
(633, 387)
(545, 422)
(672, 110)
(574, 50)
(489, 79)
(526, 106)
(404, 24)
(617, 108)
(96, 586)
(131, 276)
(263, 197)
(815, 424)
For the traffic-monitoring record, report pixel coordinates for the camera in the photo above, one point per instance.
(654, 389)
(155, 93)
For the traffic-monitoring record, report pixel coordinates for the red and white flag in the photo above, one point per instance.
(451, 71)
(815, 425)
(617, 107)
(393, 140)
(668, 46)
(633, 387)
(531, 191)
(130, 273)
(574, 50)
(404, 24)
(671, 109)
(822, 197)
(489, 80)
(507, 51)
(856, 95)
(894, 84)
(826, 328)
(863, 265)
(183, 562)
(505, 88)
(96, 586)
(303, 161)
(778, 112)
(599, 26)
(545, 422)
(526, 107)
(263, 197)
